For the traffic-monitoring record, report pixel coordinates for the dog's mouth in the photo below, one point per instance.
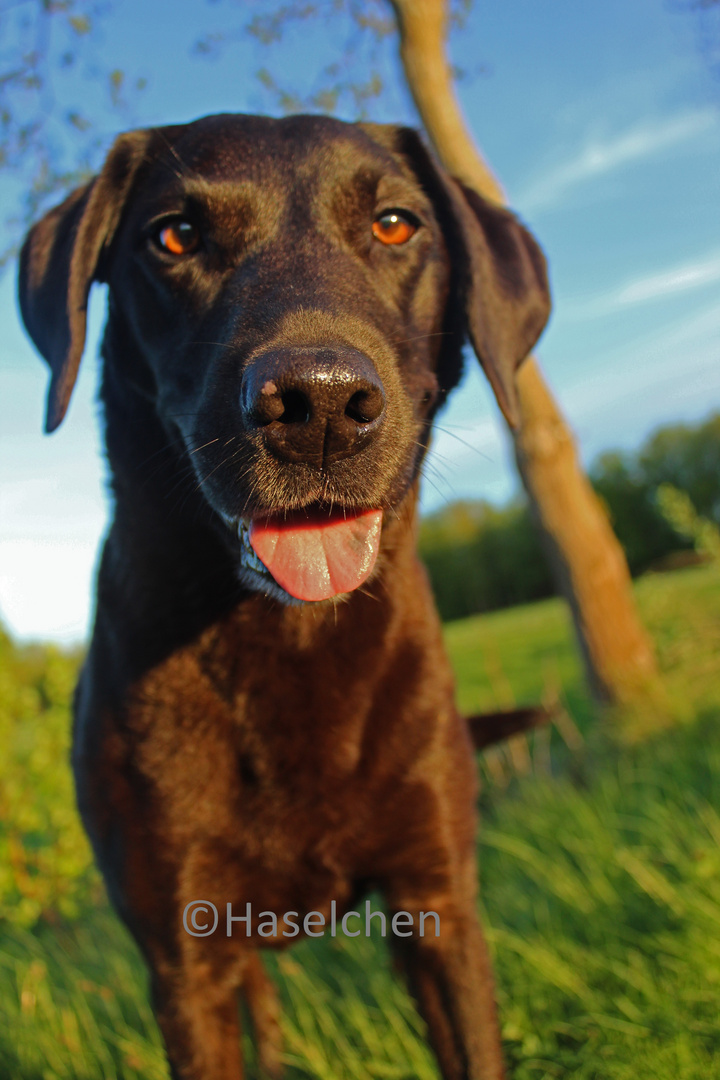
(312, 554)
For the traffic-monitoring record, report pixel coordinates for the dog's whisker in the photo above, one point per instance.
(220, 344)
(204, 479)
(436, 487)
(184, 472)
(204, 445)
(444, 466)
(420, 337)
(141, 391)
(458, 438)
(181, 168)
(165, 451)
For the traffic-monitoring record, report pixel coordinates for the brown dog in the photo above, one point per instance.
(266, 713)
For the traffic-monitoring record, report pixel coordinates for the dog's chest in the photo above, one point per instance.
(262, 795)
(276, 748)
(268, 765)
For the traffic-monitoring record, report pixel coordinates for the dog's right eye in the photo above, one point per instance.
(178, 238)
(394, 227)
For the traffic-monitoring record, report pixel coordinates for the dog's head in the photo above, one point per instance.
(292, 296)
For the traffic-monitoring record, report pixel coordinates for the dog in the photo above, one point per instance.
(265, 719)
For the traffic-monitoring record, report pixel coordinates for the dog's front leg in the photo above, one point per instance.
(264, 1008)
(450, 976)
(197, 1014)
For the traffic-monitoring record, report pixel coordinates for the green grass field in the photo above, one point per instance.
(600, 865)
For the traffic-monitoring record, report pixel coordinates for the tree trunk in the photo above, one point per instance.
(586, 558)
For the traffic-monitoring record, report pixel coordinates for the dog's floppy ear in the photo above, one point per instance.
(499, 270)
(60, 260)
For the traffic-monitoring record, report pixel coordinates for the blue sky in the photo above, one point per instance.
(603, 124)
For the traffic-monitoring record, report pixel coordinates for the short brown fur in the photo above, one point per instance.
(231, 745)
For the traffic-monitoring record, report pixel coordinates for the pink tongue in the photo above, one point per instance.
(316, 557)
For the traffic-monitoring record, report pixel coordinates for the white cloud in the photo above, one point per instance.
(602, 156)
(677, 279)
(46, 587)
(682, 277)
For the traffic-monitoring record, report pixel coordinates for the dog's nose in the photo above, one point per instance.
(315, 405)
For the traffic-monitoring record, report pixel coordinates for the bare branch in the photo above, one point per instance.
(48, 140)
(423, 31)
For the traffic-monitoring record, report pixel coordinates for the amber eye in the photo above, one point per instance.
(394, 227)
(179, 238)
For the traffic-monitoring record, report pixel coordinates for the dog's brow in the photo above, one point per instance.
(222, 192)
(180, 168)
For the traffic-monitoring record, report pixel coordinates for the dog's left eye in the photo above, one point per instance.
(179, 238)
(394, 227)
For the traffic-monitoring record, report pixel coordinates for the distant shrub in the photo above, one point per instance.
(677, 508)
(684, 456)
(687, 457)
(482, 557)
(644, 532)
(45, 859)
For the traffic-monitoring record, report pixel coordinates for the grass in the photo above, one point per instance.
(600, 866)
(604, 899)
(523, 654)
